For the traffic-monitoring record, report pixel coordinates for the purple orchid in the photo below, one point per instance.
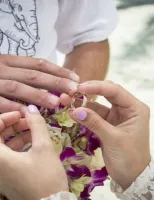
(77, 172)
(87, 141)
(98, 178)
(75, 157)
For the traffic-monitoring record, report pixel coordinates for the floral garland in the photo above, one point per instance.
(79, 150)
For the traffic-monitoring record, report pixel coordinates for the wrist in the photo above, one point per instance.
(140, 187)
(133, 173)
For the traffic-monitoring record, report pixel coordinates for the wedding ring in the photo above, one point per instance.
(80, 96)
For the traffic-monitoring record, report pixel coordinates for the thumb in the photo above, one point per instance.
(38, 128)
(93, 122)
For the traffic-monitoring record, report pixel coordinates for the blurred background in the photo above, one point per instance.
(132, 60)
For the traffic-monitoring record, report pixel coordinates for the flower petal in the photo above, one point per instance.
(67, 153)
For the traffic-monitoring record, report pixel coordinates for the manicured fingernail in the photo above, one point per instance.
(81, 115)
(75, 77)
(73, 85)
(33, 109)
(53, 100)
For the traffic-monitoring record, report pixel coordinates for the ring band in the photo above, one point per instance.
(83, 97)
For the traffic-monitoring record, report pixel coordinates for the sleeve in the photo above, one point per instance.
(61, 196)
(82, 21)
(141, 189)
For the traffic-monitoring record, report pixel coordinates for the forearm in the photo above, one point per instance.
(90, 60)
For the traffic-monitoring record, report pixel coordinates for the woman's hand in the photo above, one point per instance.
(34, 174)
(123, 130)
(20, 78)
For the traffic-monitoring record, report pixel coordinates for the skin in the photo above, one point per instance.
(90, 61)
(123, 129)
(21, 76)
(38, 168)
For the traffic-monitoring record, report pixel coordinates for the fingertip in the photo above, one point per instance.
(79, 114)
(75, 77)
(54, 101)
(17, 114)
(65, 99)
(33, 109)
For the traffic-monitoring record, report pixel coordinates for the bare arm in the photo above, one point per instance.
(90, 60)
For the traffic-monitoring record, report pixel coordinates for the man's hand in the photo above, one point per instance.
(21, 76)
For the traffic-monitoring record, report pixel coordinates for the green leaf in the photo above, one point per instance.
(77, 186)
(63, 118)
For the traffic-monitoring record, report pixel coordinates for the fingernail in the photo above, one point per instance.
(73, 85)
(33, 109)
(75, 77)
(53, 100)
(81, 115)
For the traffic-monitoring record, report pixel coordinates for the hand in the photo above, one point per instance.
(123, 130)
(20, 76)
(35, 174)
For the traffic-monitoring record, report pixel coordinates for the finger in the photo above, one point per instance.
(20, 126)
(101, 110)
(8, 119)
(38, 128)
(38, 79)
(39, 65)
(8, 105)
(93, 122)
(114, 93)
(16, 90)
(11, 131)
(65, 99)
(7, 134)
(98, 108)
(18, 142)
(15, 128)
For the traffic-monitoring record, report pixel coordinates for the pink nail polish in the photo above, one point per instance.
(33, 109)
(80, 115)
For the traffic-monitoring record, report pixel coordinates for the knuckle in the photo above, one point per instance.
(43, 96)
(40, 64)
(11, 86)
(56, 81)
(94, 124)
(33, 75)
(60, 70)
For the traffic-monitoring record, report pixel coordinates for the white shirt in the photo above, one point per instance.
(40, 27)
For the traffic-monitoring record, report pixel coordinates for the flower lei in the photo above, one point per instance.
(79, 150)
